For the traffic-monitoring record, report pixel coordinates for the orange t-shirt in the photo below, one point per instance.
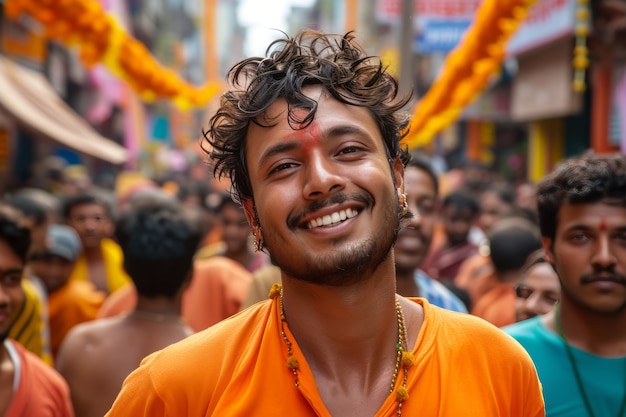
(497, 306)
(41, 391)
(464, 366)
(73, 303)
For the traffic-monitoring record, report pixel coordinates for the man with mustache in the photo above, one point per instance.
(579, 348)
(310, 138)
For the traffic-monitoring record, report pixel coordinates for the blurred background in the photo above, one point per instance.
(120, 90)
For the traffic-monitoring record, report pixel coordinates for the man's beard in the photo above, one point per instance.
(3, 336)
(348, 264)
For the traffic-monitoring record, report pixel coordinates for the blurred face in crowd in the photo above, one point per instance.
(11, 293)
(526, 196)
(538, 292)
(54, 271)
(457, 222)
(492, 209)
(91, 222)
(235, 229)
(589, 255)
(414, 238)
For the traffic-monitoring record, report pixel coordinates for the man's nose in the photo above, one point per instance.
(322, 177)
(603, 255)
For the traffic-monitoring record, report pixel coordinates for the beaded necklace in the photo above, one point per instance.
(572, 361)
(404, 358)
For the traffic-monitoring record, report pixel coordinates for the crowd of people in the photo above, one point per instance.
(336, 277)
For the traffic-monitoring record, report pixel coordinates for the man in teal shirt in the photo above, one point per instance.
(579, 349)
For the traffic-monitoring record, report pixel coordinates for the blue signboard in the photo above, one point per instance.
(440, 35)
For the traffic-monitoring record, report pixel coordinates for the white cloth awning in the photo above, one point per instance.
(30, 98)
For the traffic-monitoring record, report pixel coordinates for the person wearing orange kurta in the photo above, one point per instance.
(311, 141)
(251, 376)
(69, 302)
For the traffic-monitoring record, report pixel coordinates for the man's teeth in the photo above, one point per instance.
(336, 217)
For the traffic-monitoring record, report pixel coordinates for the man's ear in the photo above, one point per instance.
(398, 174)
(546, 242)
(248, 209)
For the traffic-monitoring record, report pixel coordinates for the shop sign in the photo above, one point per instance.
(547, 21)
(439, 24)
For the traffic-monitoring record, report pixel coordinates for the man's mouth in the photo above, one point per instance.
(332, 219)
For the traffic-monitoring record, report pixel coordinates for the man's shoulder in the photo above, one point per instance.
(36, 370)
(528, 331)
(471, 334)
(227, 339)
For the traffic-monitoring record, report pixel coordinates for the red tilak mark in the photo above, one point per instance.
(603, 226)
(310, 137)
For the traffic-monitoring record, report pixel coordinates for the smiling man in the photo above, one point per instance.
(28, 386)
(310, 140)
(580, 347)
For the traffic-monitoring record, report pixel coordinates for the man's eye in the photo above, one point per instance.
(282, 167)
(580, 237)
(349, 149)
(12, 280)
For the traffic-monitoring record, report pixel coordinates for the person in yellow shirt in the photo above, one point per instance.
(310, 137)
(101, 260)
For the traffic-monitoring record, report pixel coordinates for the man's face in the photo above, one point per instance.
(11, 293)
(54, 271)
(235, 229)
(457, 222)
(414, 238)
(492, 209)
(589, 255)
(325, 195)
(538, 292)
(91, 223)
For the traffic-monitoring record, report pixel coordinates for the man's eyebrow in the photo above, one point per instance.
(12, 270)
(281, 147)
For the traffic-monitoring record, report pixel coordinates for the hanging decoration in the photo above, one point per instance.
(467, 69)
(580, 62)
(100, 39)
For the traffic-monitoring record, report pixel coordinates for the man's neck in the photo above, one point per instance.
(93, 253)
(341, 325)
(600, 334)
(159, 306)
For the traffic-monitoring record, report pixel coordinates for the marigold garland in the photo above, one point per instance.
(100, 39)
(467, 68)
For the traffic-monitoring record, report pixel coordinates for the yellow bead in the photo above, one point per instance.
(582, 30)
(582, 13)
(579, 86)
(402, 394)
(581, 50)
(292, 362)
(275, 290)
(580, 62)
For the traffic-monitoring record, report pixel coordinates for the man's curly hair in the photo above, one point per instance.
(337, 63)
(588, 179)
